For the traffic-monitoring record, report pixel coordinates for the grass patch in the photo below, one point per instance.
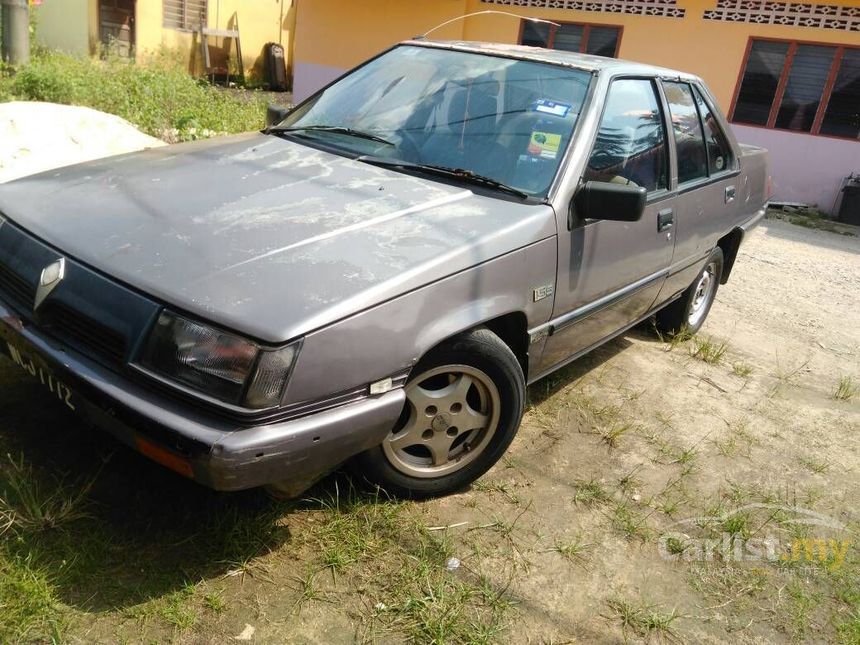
(630, 523)
(573, 551)
(382, 548)
(846, 389)
(29, 608)
(645, 621)
(708, 350)
(159, 97)
(742, 369)
(590, 493)
(612, 435)
(27, 503)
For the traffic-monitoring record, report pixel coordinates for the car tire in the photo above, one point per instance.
(691, 309)
(473, 379)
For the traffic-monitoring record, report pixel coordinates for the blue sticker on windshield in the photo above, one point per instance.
(551, 107)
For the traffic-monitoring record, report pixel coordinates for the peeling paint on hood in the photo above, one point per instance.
(266, 236)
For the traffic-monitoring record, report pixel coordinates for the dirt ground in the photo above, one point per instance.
(684, 490)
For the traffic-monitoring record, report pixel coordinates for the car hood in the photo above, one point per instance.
(263, 235)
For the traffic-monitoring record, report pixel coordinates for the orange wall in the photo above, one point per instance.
(343, 33)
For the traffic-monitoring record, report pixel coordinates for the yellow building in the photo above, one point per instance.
(141, 28)
(787, 74)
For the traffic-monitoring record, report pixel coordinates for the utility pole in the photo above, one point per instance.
(16, 31)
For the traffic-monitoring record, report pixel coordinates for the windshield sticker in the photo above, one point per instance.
(551, 107)
(545, 145)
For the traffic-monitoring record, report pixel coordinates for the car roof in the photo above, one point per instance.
(587, 62)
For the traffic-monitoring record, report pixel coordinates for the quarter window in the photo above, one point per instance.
(631, 141)
(720, 155)
(800, 87)
(599, 40)
(689, 140)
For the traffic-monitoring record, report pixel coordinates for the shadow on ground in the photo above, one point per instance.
(146, 532)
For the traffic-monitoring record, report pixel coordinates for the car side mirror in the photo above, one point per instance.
(604, 200)
(275, 114)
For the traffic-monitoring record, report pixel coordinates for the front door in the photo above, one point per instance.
(116, 27)
(609, 272)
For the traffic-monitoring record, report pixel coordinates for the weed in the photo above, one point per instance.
(787, 375)
(645, 621)
(590, 493)
(159, 97)
(177, 610)
(708, 350)
(504, 488)
(25, 503)
(307, 588)
(629, 522)
(215, 601)
(630, 481)
(573, 551)
(612, 435)
(846, 389)
(676, 339)
(739, 368)
(29, 609)
(815, 465)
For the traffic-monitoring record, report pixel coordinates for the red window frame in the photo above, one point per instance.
(586, 31)
(826, 92)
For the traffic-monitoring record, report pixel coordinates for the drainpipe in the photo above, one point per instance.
(16, 31)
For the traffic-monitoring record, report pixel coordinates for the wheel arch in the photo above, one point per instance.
(511, 328)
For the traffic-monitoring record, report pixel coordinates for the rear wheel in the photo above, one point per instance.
(464, 403)
(691, 309)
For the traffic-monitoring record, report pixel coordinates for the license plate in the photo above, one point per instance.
(35, 369)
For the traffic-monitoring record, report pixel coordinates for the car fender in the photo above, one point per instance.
(387, 340)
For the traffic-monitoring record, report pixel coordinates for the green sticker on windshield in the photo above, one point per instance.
(545, 145)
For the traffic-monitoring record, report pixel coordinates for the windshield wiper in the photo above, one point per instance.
(336, 129)
(444, 171)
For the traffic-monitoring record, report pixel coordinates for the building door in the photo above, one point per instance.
(116, 27)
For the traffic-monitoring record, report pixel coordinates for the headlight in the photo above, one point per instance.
(218, 364)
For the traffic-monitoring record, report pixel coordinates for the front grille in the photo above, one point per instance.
(16, 289)
(84, 333)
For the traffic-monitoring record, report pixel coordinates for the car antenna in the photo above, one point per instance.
(482, 13)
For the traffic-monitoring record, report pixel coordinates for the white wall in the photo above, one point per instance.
(805, 168)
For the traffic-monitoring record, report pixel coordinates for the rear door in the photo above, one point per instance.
(610, 273)
(708, 192)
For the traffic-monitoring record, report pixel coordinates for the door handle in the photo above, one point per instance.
(730, 194)
(665, 220)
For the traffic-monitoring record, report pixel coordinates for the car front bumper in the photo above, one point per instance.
(212, 451)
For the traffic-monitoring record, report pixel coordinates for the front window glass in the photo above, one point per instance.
(508, 120)
(631, 142)
(689, 140)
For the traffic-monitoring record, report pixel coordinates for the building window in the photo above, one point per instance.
(600, 40)
(186, 15)
(801, 87)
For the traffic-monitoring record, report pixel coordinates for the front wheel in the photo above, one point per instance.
(690, 310)
(464, 403)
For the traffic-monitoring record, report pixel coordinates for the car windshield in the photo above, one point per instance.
(506, 120)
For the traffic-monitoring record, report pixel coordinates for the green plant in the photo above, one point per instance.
(26, 503)
(645, 621)
(159, 97)
(741, 369)
(846, 389)
(708, 350)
